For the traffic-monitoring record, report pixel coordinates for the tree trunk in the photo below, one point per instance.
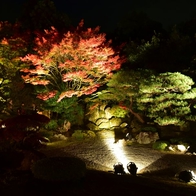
(137, 116)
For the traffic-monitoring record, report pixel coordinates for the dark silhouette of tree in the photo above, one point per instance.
(42, 14)
(162, 53)
(136, 26)
(188, 27)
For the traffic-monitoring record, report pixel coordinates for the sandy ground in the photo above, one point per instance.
(156, 169)
(102, 153)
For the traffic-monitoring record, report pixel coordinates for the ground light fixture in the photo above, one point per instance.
(132, 168)
(118, 168)
(187, 176)
(120, 155)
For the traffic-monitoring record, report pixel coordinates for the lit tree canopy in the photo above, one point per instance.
(75, 64)
(10, 51)
(166, 98)
(123, 89)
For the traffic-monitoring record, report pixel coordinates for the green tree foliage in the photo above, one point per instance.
(10, 51)
(139, 55)
(123, 85)
(165, 98)
(122, 89)
(70, 109)
(14, 44)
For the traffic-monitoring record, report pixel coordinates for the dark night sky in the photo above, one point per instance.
(106, 13)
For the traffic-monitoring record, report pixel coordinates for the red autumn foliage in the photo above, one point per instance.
(75, 63)
(123, 106)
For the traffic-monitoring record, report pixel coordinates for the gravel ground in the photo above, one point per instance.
(156, 169)
(102, 154)
(155, 176)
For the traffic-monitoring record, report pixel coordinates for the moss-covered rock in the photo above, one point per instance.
(160, 145)
(59, 169)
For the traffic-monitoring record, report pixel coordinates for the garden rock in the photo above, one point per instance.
(186, 176)
(178, 148)
(147, 137)
(103, 117)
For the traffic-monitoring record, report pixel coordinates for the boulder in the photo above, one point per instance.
(106, 117)
(101, 120)
(105, 125)
(147, 137)
(108, 113)
(123, 125)
(94, 116)
(92, 126)
(115, 122)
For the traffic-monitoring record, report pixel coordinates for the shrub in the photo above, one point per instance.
(52, 125)
(78, 134)
(119, 112)
(160, 145)
(59, 169)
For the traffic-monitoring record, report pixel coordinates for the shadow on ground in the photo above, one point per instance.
(170, 164)
(100, 183)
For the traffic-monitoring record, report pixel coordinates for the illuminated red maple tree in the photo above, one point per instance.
(75, 63)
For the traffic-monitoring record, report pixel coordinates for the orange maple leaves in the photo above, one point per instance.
(79, 62)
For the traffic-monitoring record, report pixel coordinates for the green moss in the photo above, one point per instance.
(160, 145)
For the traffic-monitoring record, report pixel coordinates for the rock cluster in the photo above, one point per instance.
(105, 117)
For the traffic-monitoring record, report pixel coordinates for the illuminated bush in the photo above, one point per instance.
(59, 169)
(80, 135)
(119, 112)
(160, 145)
